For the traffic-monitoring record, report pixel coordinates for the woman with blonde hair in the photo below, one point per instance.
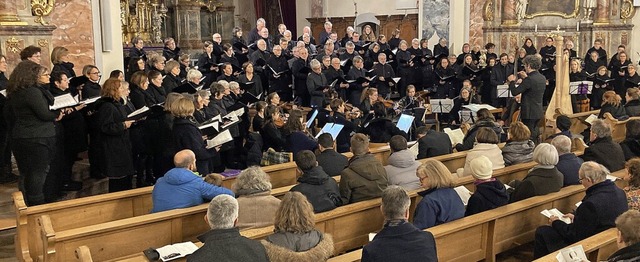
(519, 146)
(295, 237)
(633, 189)
(257, 206)
(367, 34)
(612, 103)
(440, 203)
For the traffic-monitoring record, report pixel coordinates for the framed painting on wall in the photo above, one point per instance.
(563, 8)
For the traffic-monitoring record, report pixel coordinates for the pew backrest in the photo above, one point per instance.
(597, 247)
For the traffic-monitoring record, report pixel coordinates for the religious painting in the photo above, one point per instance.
(563, 8)
(434, 16)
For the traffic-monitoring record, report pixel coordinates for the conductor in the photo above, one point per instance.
(531, 86)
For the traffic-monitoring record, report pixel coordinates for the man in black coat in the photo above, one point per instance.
(532, 86)
(384, 72)
(321, 190)
(399, 240)
(601, 205)
(432, 143)
(331, 161)
(254, 34)
(603, 149)
(300, 70)
(499, 76)
(224, 242)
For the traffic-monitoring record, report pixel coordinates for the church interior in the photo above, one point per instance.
(101, 33)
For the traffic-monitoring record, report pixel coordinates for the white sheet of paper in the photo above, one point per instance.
(464, 194)
(456, 136)
(591, 118)
(414, 149)
(175, 251)
(555, 212)
(572, 254)
(139, 111)
(63, 101)
(476, 107)
(214, 124)
(223, 137)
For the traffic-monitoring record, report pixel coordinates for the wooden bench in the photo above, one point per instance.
(578, 124)
(618, 127)
(598, 247)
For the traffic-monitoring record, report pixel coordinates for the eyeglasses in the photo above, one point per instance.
(45, 74)
(94, 73)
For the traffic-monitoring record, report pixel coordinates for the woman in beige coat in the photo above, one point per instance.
(486, 145)
(257, 207)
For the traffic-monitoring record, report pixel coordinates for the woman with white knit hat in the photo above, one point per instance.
(490, 192)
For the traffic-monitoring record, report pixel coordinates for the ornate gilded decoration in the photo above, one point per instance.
(627, 10)
(13, 45)
(41, 8)
(564, 14)
(43, 42)
(487, 13)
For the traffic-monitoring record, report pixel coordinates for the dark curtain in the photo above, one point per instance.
(288, 11)
(259, 4)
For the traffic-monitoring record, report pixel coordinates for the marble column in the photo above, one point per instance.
(509, 12)
(188, 25)
(602, 12)
(9, 13)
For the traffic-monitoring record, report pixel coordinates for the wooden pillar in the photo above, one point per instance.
(602, 12)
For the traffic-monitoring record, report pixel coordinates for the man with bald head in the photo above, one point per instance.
(217, 45)
(182, 187)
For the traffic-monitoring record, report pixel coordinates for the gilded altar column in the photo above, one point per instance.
(509, 16)
(188, 24)
(9, 13)
(602, 12)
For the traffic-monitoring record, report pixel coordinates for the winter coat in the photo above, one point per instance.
(321, 190)
(113, 138)
(626, 254)
(568, 165)
(401, 243)
(630, 148)
(491, 151)
(632, 107)
(401, 170)
(434, 143)
(187, 136)
(515, 152)
(181, 188)
(307, 247)
(256, 209)
(617, 112)
(470, 138)
(488, 195)
(606, 152)
(228, 245)
(540, 181)
(332, 162)
(438, 206)
(364, 178)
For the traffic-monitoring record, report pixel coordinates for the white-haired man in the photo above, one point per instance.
(254, 34)
(224, 242)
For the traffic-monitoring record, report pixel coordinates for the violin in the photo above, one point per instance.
(287, 106)
(387, 103)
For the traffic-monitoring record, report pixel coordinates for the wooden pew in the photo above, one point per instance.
(598, 247)
(618, 128)
(578, 124)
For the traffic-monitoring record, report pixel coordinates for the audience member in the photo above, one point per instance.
(401, 170)
(485, 119)
(440, 203)
(295, 237)
(542, 179)
(257, 205)
(631, 143)
(563, 124)
(603, 202)
(519, 148)
(365, 177)
(331, 161)
(320, 189)
(487, 145)
(568, 162)
(633, 189)
(628, 225)
(490, 192)
(432, 143)
(399, 240)
(224, 242)
(181, 187)
(603, 149)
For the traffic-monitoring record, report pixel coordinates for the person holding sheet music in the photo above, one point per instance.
(445, 74)
(621, 48)
(200, 98)
(356, 88)
(619, 73)
(316, 84)
(249, 81)
(632, 79)
(468, 71)
(441, 47)
(300, 69)
(207, 63)
(532, 88)
(548, 53)
(405, 67)
(597, 46)
(335, 73)
(192, 84)
(601, 83)
(259, 59)
(349, 127)
(380, 129)
(239, 44)
(463, 99)
(466, 50)
(385, 75)
(156, 90)
(349, 53)
(229, 57)
(371, 57)
(90, 86)
(186, 135)
(172, 77)
(279, 74)
(592, 64)
(499, 76)
(227, 73)
(576, 74)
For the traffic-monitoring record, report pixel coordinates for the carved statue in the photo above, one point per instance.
(521, 9)
(488, 11)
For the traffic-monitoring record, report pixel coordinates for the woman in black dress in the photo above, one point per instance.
(5, 149)
(207, 64)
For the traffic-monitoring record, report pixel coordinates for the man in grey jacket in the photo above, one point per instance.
(402, 166)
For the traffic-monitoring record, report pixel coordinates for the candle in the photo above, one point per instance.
(578, 26)
(536, 28)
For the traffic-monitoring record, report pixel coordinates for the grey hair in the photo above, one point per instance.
(234, 84)
(327, 23)
(357, 59)
(350, 29)
(350, 44)
(252, 180)
(600, 128)
(314, 64)
(534, 61)
(395, 202)
(593, 171)
(194, 74)
(286, 32)
(261, 21)
(562, 144)
(222, 212)
(224, 83)
(545, 154)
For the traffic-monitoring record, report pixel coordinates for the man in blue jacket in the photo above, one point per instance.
(181, 187)
(600, 207)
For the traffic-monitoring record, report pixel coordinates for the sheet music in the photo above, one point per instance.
(63, 101)
(463, 193)
(223, 137)
(456, 136)
(139, 111)
(555, 212)
(90, 100)
(414, 149)
(3, 92)
(313, 117)
(396, 79)
(503, 91)
(233, 119)
(331, 128)
(591, 118)
(476, 107)
(214, 124)
(441, 105)
(580, 87)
